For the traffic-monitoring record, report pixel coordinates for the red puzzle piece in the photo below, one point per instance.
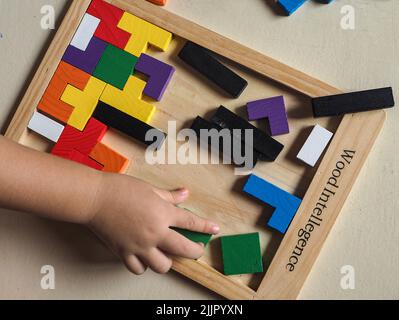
(78, 157)
(84, 142)
(108, 28)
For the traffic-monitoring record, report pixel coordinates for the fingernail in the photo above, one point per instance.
(201, 244)
(215, 228)
(184, 192)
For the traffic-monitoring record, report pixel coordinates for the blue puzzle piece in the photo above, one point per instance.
(285, 203)
(290, 6)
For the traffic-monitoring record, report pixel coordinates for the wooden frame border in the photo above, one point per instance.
(357, 132)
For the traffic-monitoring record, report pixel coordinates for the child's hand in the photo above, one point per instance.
(134, 219)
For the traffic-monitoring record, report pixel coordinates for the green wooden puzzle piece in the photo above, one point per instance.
(195, 236)
(242, 254)
(115, 67)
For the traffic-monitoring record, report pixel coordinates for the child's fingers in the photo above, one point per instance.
(174, 197)
(189, 221)
(134, 264)
(157, 261)
(180, 246)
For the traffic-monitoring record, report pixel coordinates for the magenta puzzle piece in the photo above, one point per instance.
(85, 60)
(159, 74)
(272, 109)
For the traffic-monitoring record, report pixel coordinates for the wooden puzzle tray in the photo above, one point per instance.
(216, 191)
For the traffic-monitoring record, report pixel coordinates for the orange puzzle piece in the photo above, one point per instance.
(110, 159)
(158, 2)
(51, 103)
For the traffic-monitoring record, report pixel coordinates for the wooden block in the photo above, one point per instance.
(84, 142)
(85, 60)
(85, 32)
(241, 254)
(115, 67)
(286, 205)
(159, 73)
(45, 126)
(315, 145)
(110, 159)
(128, 125)
(158, 2)
(353, 102)
(290, 6)
(84, 102)
(143, 34)
(108, 30)
(201, 124)
(272, 109)
(81, 158)
(129, 100)
(196, 237)
(268, 148)
(202, 61)
(51, 103)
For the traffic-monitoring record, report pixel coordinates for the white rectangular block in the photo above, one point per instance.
(315, 145)
(85, 32)
(46, 127)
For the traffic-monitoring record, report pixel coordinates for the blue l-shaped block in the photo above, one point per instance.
(285, 203)
(290, 6)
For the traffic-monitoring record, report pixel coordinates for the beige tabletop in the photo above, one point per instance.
(366, 233)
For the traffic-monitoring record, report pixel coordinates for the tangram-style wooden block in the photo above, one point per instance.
(129, 100)
(84, 102)
(196, 237)
(51, 103)
(353, 102)
(45, 126)
(110, 159)
(158, 2)
(82, 141)
(241, 254)
(85, 32)
(202, 61)
(159, 73)
(265, 145)
(88, 59)
(286, 204)
(81, 158)
(115, 67)
(128, 125)
(272, 109)
(108, 28)
(290, 6)
(143, 34)
(315, 145)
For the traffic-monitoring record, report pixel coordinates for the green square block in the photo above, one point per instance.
(241, 254)
(115, 66)
(196, 237)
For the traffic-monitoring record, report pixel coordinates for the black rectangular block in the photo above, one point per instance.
(201, 60)
(353, 102)
(128, 125)
(200, 123)
(268, 147)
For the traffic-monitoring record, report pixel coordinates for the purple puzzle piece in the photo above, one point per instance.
(274, 110)
(85, 60)
(159, 74)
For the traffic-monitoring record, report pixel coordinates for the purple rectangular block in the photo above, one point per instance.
(85, 60)
(272, 109)
(159, 73)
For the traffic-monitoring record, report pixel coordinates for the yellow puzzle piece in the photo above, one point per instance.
(143, 33)
(84, 102)
(129, 100)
